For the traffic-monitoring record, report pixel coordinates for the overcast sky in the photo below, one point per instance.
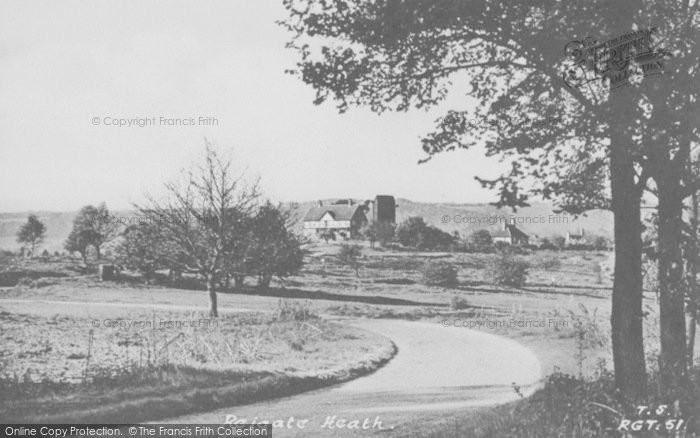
(67, 63)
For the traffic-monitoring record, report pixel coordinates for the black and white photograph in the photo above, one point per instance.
(350, 218)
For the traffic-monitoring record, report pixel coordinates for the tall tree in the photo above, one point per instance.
(693, 262)
(203, 216)
(92, 226)
(401, 54)
(32, 233)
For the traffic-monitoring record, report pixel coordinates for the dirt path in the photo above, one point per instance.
(438, 370)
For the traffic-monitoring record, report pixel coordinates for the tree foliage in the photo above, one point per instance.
(273, 248)
(481, 240)
(402, 54)
(414, 232)
(92, 227)
(380, 231)
(144, 249)
(32, 233)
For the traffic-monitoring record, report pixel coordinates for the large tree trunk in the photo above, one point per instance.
(673, 366)
(211, 288)
(694, 258)
(627, 316)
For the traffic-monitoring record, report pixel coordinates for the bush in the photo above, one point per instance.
(349, 255)
(414, 232)
(439, 273)
(458, 303)
(480, 241)
(508, 269)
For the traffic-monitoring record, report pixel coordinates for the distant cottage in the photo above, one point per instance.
(511, 235)
(342, 219)
(345, 218)
(575, 238)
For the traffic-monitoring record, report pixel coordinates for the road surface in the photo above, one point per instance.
(437, 371)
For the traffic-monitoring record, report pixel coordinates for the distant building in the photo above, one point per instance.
(384, 209)
(511, 235)
(343, 219)
(575, 238)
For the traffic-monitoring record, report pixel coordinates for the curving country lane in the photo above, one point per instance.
(437, 371)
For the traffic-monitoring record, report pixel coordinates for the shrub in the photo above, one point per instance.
(559, 241)
(508, 269)
(414, 232)
(458, 303)
(349, 255)
(439, 273)
(480, 241)
(600, 243)
(379, 231)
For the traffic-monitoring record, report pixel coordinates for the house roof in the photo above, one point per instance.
(517, 232)
(340, 212)
(500, 233)
(510, 231)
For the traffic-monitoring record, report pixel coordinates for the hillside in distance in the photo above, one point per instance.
(539, 219)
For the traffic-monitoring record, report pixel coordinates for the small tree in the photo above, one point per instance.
(203, 217)
(508, 269)
(32, 233)
(439, 273)
(481, 240)
(143, 249)
(274, 249)
(349, 255)
(410, 232)
(380, 231)
(78, 241)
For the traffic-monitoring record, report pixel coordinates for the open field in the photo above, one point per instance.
(121, 359)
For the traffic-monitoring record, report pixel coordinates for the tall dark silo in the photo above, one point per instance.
(384, 209)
